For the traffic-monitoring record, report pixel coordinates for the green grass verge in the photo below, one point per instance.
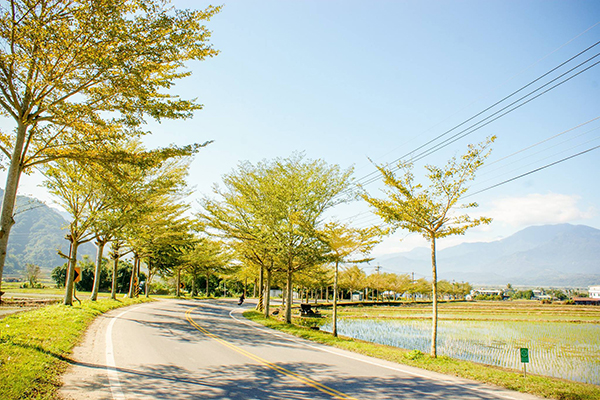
(35, 345)
(533, 384)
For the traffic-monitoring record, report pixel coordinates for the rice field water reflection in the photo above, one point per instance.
(562, 350)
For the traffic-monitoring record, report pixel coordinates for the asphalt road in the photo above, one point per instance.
(205, 350)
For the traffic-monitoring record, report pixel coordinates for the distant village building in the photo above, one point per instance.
(592, 299)
(486, 292)
(357, 296)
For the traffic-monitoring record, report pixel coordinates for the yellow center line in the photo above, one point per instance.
(307, 381)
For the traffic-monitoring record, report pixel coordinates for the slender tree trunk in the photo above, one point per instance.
(335, 289)
(150, 276)
(113, 288)
(207, 281)
(254, 289)
(10, 194)
(267, 294)
(98, 270)
(261, 286)
(289, 291)
(434, 318)
(68, 301)
(133, 281)
(178, 283)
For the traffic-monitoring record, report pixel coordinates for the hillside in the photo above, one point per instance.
(36, 237)
(547, 255)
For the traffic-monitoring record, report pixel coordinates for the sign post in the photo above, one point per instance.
(524, 360)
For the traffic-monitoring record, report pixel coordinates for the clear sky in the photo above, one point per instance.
(350, 80)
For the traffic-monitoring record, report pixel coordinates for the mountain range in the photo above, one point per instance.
(36, 236)
(561, 255)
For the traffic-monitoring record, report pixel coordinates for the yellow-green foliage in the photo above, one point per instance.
(35, 346)
(537, 385)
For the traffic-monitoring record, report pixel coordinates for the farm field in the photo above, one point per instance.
(563, 340)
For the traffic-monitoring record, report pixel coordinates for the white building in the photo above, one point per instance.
(594, 292)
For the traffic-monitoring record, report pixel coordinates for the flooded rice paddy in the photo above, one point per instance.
(562, 350)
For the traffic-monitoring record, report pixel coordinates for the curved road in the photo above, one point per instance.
(172, 349)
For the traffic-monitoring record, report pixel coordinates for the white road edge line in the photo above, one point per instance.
(321, 348)
(111, 367)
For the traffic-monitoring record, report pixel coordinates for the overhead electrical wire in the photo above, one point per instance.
(533, 171)
(543, 141)
(498, 86)
(475, 127)
(466, 131)
(374, 218)
(499, 102)
(541, 151)
(545, 158)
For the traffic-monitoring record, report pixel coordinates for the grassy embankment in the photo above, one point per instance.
(514, 380)
(35, 345)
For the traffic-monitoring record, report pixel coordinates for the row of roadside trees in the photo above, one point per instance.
(79, 79)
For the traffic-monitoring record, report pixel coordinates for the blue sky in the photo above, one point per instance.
(350, 80)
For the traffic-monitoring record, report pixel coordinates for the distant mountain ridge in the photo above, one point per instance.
(546, 255)
(36, 237)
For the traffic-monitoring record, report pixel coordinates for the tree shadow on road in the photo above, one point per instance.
(256, 381)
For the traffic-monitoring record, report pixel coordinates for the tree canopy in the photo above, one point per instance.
(431, 211)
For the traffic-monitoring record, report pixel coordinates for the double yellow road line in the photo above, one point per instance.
(307, 381)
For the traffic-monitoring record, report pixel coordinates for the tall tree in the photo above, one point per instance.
(346, 244)
(80, 71)
(429, 211)
(281, 205)
(74, 190)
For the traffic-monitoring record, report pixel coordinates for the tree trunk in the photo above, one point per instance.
(133, 281)
(68, 301)
(113, 289)
(267, 293)
(289, 291)
(434, 318)
(178, 283)
(207, 280)
(335, 289)
(261, 292)
(97, 271)
(149, 278)
(254, 289)
(10, 195)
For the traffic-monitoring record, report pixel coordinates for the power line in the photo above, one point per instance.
(533, 171)
(500, 85)
(458, 136)
(546, 149)
(532, 163)
(466, 132)
(544, 141)
(498, 102)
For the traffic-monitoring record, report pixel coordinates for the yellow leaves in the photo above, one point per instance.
(426, 210)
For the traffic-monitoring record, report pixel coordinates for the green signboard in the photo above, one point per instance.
(524, 355)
